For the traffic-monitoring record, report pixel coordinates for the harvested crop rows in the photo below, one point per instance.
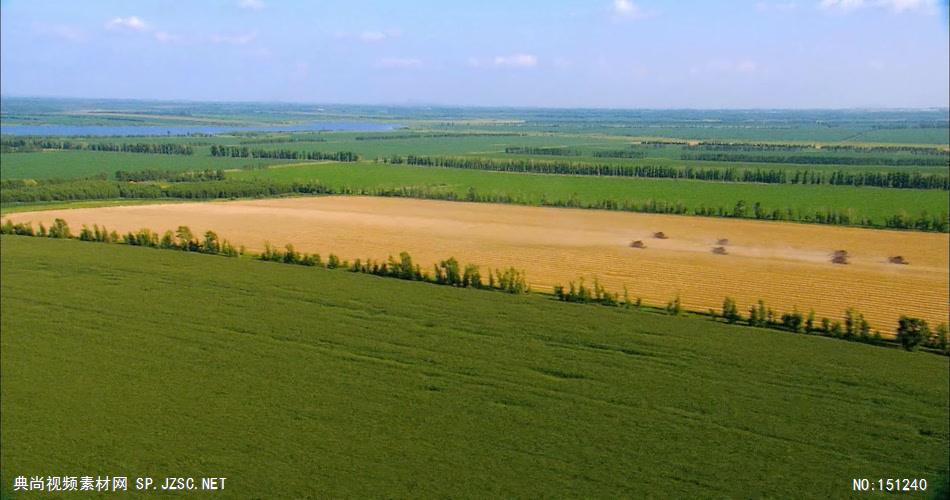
(787, 265)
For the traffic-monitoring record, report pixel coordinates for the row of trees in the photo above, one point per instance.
(102, 190)
(911, 332)
(752, 147)
(59, 229)
(927, 161)
(162, 149)
(598, 294)
(170, 175)
(562, 151)
(393, 137)
(281, 154)
(447, 272)
(282, 139)
(31, 144)
(901, 180)
(181, 239)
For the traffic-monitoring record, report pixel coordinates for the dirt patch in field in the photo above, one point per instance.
(785, 264)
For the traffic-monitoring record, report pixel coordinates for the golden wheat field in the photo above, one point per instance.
(787, 265)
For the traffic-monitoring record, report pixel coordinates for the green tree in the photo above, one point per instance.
(59, 229)
(210, 243)
(291, 256)
(168, 240)
(472, 277)
(939, 338)
(911, 332)
(186, 239)
(674, 307)
(793, 321)
(730, 311)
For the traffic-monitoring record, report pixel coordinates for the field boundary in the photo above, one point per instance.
(450, 272)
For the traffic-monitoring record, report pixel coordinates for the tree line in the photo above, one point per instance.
(914, 180)
(32, 144)
(927, 161)
(101, 190)
(393, 137)
(563, 151)
(170, 175)
(447, 272)
(857, 148)
(280, 140)
(911, 332)
(182, 239)
(281, 154)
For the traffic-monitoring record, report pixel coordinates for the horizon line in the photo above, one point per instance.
(409, 104)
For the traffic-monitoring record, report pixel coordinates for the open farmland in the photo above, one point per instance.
(298, 382)
(79, 164)
(787, 265)
(873, 203)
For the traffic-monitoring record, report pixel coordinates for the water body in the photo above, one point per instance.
(158, 130)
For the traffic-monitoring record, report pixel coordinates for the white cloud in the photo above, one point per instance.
(165, 37)
(131, 22)
(398, 63)
(242, 39)
(628, 10)
(251, 4)
(516, 61)
(896, 6)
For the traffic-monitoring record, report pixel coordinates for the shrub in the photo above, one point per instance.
(674, 307)
(911, 332)
(730, 311)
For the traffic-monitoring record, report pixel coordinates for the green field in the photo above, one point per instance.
(296, 382)
(78, 164)
(874, 203)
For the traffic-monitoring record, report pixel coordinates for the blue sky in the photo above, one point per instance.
(569, 53)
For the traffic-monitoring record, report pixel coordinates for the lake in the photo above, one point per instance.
(149, 130)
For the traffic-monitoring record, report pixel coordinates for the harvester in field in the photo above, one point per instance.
(839, 257)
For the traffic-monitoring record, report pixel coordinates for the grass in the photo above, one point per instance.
(874, 203)
(72, 164)
(11, 208)
(77, 164)
(298, 382)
